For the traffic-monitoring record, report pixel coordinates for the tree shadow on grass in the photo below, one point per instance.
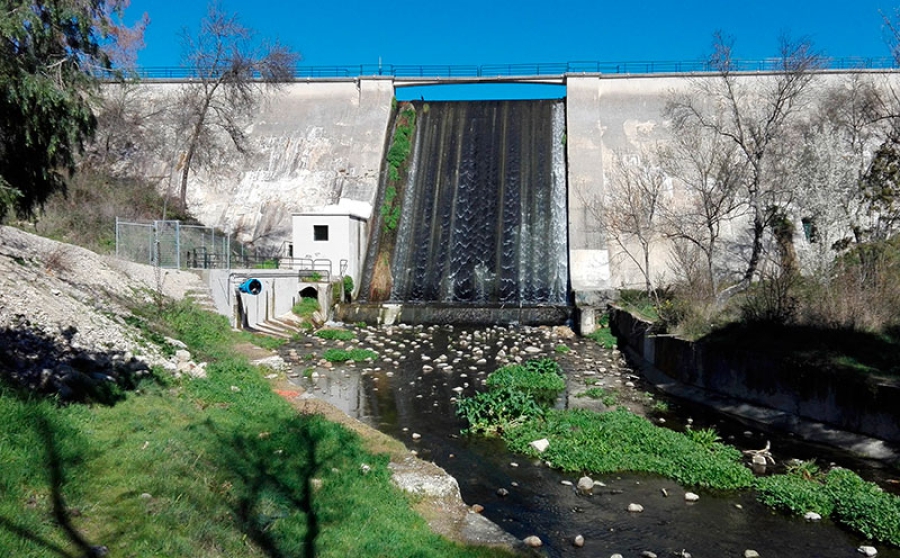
(57, 460)
(34, 362)
(277, 476)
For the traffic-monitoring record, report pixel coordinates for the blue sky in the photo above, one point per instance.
(480, 32)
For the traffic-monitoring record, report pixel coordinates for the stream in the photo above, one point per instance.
(409, 393)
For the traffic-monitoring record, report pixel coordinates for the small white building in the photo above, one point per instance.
(334, 237)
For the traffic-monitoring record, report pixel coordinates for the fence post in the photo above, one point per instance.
(177, 244)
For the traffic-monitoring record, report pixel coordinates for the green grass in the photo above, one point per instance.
(603, 336)
(356, 355)
(305, 307)
(608, 398)
(336, 334)
(583, 441)
(541, 379)
(618, 441)
(198, 468)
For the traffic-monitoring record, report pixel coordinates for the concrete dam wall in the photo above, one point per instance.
(313, 144)
(320, 143)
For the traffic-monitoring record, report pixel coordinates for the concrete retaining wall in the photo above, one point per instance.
(280, 291)
(849, 401)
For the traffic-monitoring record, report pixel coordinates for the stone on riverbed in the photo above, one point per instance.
(586, 485)
(540, 445)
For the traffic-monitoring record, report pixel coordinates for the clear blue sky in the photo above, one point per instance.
(353, 32)
(479, 32)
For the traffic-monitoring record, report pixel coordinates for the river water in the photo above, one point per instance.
(409, 393)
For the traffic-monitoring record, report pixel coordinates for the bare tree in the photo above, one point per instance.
(631, 210)
(230, 70)
(850, 123)
(708, 177)
(755, 117)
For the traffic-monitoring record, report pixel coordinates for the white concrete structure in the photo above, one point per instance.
(337, 233)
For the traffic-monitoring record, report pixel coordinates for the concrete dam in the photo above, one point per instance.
(474, 228)
(318, 148)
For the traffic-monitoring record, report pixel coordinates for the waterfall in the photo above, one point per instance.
(483, 207)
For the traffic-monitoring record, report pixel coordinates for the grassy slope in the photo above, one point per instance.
(196, 468)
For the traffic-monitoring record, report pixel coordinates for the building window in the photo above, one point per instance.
(320, 232)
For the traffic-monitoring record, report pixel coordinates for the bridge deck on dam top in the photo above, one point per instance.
(544, 72)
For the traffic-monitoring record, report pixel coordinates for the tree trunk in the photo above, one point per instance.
(189, 157)
(756, 248)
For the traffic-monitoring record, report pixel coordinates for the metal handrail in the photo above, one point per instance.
(529, 69)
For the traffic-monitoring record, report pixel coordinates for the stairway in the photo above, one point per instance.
(202, 297)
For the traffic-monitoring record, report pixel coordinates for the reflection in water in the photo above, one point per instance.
(411, 389)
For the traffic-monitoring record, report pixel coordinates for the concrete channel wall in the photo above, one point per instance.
(853, 402)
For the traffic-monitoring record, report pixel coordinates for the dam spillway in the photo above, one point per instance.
(481, 223)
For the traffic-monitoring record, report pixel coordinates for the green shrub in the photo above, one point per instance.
(497, 410)
(705, 437)
(306, 307)
(608, 398)
(562, 349)
(540, 379)
(864, 506)
(356, 355)
(794, 493)
(348, 286)
(603, 337)
(615, 441)
(336, 334)
(660, 407)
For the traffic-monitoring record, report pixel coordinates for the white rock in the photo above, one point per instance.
(579, 541)
(585, 485)
(540, 445)
(533, 541)
(635, 508)
(867, 550)
(812, 516)
(751, 554)
(690, 497)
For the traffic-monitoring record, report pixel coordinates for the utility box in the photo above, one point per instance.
(336, 233)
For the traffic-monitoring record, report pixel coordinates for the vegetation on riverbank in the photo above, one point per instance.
(210, 467)
(584, 441)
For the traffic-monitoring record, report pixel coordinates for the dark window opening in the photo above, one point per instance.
(320, 232)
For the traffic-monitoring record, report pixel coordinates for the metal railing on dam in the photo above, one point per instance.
(486, 71)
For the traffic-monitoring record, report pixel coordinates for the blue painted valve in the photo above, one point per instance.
(251, 286)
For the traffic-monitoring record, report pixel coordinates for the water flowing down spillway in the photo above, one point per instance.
(483, 208)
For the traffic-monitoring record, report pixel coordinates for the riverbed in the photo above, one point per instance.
(409, 392)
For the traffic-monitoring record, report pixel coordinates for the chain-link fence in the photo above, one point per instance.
(170, 244)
